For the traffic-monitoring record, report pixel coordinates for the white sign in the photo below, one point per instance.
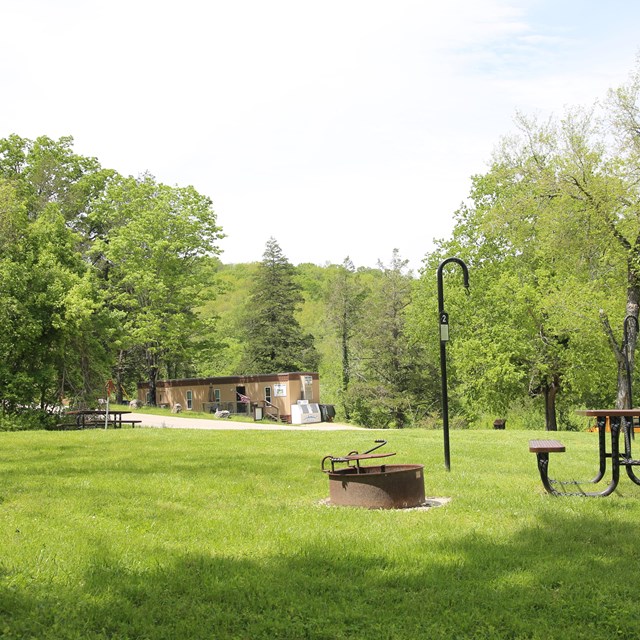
(280, 390)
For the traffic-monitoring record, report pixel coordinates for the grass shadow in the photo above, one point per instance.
(549, 580)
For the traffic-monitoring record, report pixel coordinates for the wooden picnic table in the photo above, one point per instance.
(92, 418)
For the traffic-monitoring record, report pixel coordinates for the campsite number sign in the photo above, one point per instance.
(444, 326)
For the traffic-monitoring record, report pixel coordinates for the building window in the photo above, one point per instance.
(267, 394)
(216, 396)
(189, 399)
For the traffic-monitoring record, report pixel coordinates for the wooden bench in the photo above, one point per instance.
(542, 449)
(115, 423)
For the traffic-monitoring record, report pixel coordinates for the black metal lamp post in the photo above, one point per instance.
(444, 337)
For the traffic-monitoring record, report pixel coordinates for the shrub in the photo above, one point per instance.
(27, 420)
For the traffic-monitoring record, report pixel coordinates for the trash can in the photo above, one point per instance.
(499, 424)
(257, 412)
(327, 412)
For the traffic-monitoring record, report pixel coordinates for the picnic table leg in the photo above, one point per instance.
(601, 423)
(543, 467)
(627, 428)
(632, 475)
(602, 447)
(628, 431)
(614, 423)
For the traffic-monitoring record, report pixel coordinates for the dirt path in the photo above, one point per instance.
(185, 422)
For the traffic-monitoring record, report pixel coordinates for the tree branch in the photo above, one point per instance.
(612, 339)
(607, 218)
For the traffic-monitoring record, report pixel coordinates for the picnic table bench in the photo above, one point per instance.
(542, 449)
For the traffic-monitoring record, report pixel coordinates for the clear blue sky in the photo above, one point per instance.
(341, 127)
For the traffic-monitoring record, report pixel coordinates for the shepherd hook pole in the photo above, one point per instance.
(444, 337)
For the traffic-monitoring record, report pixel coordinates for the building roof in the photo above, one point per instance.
(257, 377)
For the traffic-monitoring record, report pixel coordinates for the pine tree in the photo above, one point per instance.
(391, 381)
(274, 341)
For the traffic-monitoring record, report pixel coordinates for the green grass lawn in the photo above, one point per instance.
(153, 534)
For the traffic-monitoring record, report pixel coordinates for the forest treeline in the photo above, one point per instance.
(111, 277)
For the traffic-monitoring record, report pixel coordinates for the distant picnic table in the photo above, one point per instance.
(95, 418)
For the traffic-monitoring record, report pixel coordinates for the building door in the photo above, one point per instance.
(307, 388)
(242, 401)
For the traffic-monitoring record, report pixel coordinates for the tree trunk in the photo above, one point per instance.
(153, 377)
(119, 368)
(625, 396)
(43, 397)
(550, 393)
(624, 353)
(620, 353)
(152, 365)
(346, 376)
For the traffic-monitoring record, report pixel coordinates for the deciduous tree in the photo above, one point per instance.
(154, 255)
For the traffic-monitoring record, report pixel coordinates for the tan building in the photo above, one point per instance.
(271, 394)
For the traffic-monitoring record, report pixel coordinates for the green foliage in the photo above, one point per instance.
(394, 379)
(551, 236)
(155, 258)
(345, 304)
(26, 419)
(95, 270)
(49, 306)
(224, 304)
(273, 338)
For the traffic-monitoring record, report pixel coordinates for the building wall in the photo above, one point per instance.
(201, 394)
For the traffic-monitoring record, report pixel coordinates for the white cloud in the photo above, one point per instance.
(340, 128)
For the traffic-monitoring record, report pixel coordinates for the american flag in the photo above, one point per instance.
(242, 398)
